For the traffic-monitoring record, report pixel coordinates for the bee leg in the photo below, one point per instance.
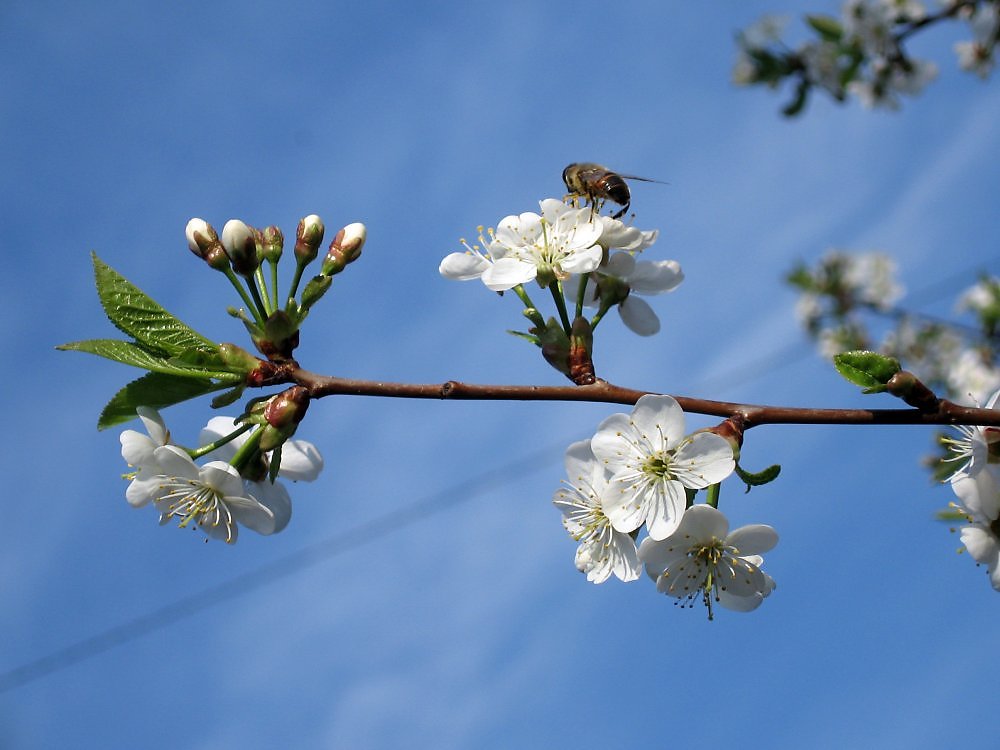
(622, 212)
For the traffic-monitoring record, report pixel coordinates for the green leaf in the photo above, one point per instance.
(827, 27)
(870, 370)
(752, 479)
(153, 389)
(131, 353)
(138, 315)
(203, 359)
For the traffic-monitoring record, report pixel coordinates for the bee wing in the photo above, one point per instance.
(643, 179)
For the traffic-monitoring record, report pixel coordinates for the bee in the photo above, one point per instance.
(598, 183)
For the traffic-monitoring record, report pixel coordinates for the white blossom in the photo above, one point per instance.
(979, 498)
(560, 241)
(702, 558)
(603, 551)
(212, 497)
(652, 461)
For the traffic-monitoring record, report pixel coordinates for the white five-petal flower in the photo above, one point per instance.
(211, 496)
(652, 461)
(560, 241)
(603, 551)
(703, 558)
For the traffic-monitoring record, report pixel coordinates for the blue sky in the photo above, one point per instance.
(470, 627)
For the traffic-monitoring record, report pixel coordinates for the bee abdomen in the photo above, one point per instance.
(616, 189)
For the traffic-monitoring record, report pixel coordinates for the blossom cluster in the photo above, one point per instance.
(214, 497)
(861, 52)
(564, 244)
(639, 472)
(977, 488)
(842, 286)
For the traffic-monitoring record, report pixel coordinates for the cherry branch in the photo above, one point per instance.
(749, 415)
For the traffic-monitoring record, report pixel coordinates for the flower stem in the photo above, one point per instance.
(560, 300)
(274, 284)
(262, 285)
(247, 452)
(581, 293)
(712, 495)
(247, 300)
(205, 449)
(255, 293)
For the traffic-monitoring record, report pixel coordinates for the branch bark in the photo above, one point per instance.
(749, 415)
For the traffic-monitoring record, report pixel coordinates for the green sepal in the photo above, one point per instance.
(870, 370)
(137, 355)
(751, 479)
(154, 389)
(828, 27)
(229, 397)
(526, 336)
(275, 465)
(133, 312)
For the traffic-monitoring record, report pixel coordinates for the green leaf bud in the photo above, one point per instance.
(907, 386)
(870, 370)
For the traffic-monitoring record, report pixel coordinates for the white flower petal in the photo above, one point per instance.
(659, 419)
(154, 424)
(704, 523)
(982, 545)
(250, 512)
(507, 273)
(620, 265)
(583, 261)
(655, 277)
(754, 539)
(175, 462)
(463, 266)
(664, 513)
(705, 459)
(300, 461)
(639, 316)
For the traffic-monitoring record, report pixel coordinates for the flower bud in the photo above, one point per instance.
(274, 243)
(345, 248)
(283, 414)
(241, 247)
(200, 236)
(204, 243)
(308, 238)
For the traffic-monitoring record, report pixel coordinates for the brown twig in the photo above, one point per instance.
(749, 415)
